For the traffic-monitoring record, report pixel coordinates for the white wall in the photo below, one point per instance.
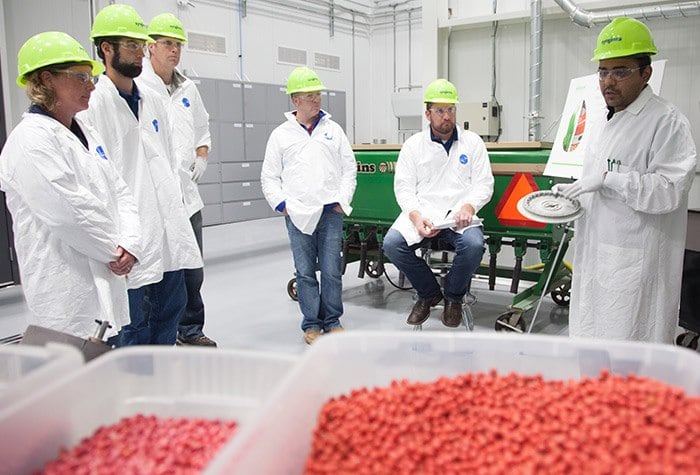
(383, 66)
(261, 33)
(567, 49)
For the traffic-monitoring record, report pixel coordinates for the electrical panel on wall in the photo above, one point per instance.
(482, 118)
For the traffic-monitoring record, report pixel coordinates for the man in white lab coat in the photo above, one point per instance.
(75, 222)
(192, 142)
(309, 176)
(443, 175)
(134, 123)
(634, 187)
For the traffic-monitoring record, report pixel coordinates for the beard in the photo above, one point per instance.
(125, 69)
(444, 128)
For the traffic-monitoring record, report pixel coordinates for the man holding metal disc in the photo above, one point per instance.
(634, 187)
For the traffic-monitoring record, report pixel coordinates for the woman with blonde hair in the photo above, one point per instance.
(74, 219)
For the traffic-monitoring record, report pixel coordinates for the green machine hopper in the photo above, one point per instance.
(517, 169)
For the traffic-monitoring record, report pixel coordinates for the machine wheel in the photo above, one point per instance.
(292, 289)
(688, 340)
(511, 321)
(562, 294)
(372, 269)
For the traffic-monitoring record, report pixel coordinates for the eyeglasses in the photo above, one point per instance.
(132, 45)
(311, 96)
(444, 111)
(170, 44)
(618, 74)
(81, 76)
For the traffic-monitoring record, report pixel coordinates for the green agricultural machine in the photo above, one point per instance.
(517, 170)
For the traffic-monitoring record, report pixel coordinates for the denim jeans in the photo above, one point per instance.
(469, 249)
(192, 323)
(320, 251)
(155, 311)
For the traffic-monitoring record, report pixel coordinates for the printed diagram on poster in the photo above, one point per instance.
(583, 117)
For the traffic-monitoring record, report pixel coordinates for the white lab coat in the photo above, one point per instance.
(190, 127)
(629, 244)
(428, 180)
(70, 211)
(308, 171)
(142, 153)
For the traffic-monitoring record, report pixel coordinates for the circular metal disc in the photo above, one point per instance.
(545, 207)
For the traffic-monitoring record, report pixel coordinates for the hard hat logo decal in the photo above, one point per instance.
(101, 152)
(185, 102)
(463, 159)
(607, 41)
(155, 124)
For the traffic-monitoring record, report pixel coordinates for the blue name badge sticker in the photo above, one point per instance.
(463, 159)
(185, 102)
(101, 152)
(155, 124)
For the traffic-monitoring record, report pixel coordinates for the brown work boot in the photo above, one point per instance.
(338, 329)
(202, 340)
(452, 314)
(311, 335)
(421, 310)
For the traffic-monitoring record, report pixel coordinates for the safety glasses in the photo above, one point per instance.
(618, 74)
(81, 76)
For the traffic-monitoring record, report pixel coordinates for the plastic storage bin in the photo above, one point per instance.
(278, 441)
(162, 381)
(26, 370)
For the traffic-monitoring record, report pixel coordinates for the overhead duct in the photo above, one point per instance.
(588, 19)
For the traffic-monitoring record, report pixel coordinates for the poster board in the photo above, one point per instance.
(581, 121)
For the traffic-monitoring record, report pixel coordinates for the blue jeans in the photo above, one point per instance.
(469, 248)
(192, 323)
(155, 311)
(323, 251)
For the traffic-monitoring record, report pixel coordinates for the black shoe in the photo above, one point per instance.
(421, 310)
(196, 341)
(452, 315)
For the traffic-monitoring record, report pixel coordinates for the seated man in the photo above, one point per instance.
(442, 174)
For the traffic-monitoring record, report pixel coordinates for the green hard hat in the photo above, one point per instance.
(51, 47)
(119, 20)
(303, 79)
(441, 91)
(167, 24)
(623, 37)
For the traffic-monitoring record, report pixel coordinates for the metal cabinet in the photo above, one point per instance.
(242, 116)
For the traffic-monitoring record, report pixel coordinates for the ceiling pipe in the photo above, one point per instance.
(534, 116)
(588, 19)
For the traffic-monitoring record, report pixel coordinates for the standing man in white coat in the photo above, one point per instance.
(442, 173)
(134, 123)
(192, 141)
(75, 222)
(634, 186)
(309, 176)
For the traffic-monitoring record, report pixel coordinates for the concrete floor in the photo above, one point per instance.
(247, 268)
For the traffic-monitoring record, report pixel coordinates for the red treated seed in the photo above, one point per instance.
(486, 423)
(145, 445)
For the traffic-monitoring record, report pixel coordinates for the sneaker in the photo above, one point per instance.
(311, 335)
(196, 341)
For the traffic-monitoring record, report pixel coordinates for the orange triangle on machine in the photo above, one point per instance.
(507, 209)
